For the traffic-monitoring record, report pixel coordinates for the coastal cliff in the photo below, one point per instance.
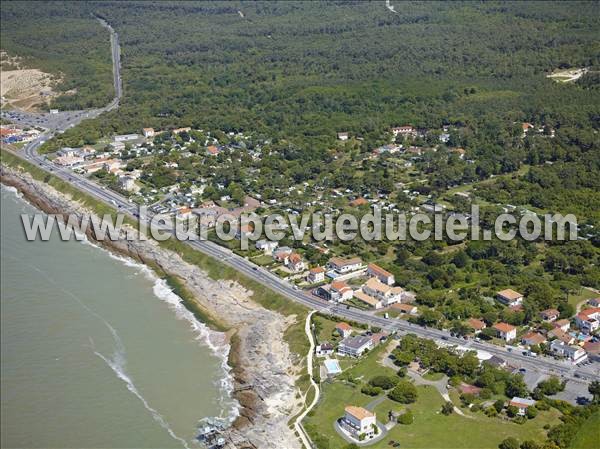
(263, 366)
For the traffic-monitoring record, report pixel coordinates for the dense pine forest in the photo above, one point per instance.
(297, 72)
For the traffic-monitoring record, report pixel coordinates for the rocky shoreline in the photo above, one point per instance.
(263, 368)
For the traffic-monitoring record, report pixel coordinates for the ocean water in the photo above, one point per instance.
(96, 352)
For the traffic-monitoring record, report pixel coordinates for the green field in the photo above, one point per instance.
(430, 429)
(588, 436)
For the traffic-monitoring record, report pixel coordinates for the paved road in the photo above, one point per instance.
(67, 119)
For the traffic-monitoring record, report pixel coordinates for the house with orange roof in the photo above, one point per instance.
(405, 308)
(213, 150)
(343, 329)
(563, 324)
(315, 275)
(368, 300)
(359, 422)
(521, 404)
(505, 331)
(340, 291)
(476, 325)
(509, 297)
(549, 315)
(588, 320)
(295, 263)
(533, 338)
(383, 292)
(148, 132)
(561, 335)
(383, 275)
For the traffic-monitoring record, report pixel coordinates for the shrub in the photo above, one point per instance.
(385, 382)
(512, 411)
(406, 418)
(371, 390)
(509, 443)
(532, 412)
(499, 405)
(448, 408)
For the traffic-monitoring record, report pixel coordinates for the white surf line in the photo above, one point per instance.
(117, 366)
(118, 362)
(309, 368)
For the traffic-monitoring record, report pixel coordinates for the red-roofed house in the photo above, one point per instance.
(549, 315)
(533, 338)
(315, 275)
(588, 320)
(340, 291)
(343, 329)
(509, 297)
(521, 404)
(563, 324)
(505, 331)
(295, 262)
(384, 276)
(476, 325)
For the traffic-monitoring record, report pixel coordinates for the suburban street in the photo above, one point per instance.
(55, 123)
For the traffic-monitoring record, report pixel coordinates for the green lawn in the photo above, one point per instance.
(430, 429)
(583, 296)
(588, 435)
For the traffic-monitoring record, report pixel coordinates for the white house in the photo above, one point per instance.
(324, 349)
(295, 263)
(126, 137)
(509, 297)
(355, 346)
(148, 132)
(343, 329)
(384, 276)
(342, 136)
(588, 320)
(359, 422)
(315, 275)
(266, 246)
(405, 130)
(127, 183)
(505, 331)
(345, 265)
(522, 404)
(340, 291)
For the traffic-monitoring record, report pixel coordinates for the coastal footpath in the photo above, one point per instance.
(263, 367)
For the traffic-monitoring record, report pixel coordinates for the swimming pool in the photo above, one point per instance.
(332, 366)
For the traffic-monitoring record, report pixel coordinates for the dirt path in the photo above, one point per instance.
(309, 368)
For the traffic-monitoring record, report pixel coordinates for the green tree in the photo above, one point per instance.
(404, 392)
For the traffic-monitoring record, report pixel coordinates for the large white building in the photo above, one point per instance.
(355, 346)
(575, 354)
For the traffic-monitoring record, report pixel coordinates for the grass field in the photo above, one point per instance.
(588, 436)
(430, 429)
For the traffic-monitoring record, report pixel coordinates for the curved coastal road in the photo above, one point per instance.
(56, 123)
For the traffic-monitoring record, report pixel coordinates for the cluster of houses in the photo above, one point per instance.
(351, 344)
(16, 134)
(575, 345)
(377, 292)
